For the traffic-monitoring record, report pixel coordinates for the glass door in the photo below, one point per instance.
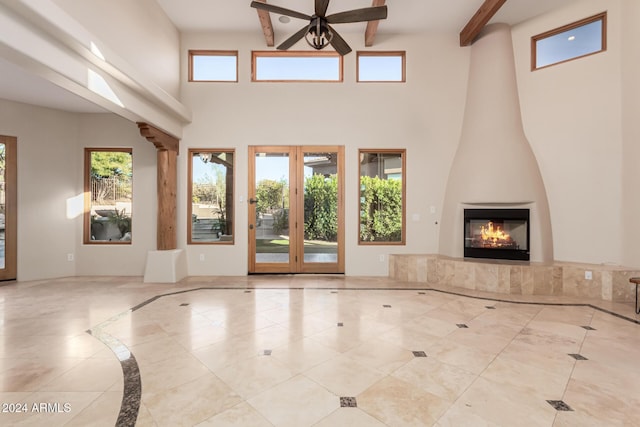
(296, 210)
(8, 208)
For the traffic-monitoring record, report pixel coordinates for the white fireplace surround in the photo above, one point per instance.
(494, 166)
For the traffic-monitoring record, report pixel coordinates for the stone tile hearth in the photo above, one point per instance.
(609, 283)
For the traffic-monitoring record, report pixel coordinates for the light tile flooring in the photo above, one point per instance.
(287, 351)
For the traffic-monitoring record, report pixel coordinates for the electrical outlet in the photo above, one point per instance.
(588, 275)
(201, 257)
(381, 258)
(69, 257)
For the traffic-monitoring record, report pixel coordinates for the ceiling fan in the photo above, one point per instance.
(319, 33)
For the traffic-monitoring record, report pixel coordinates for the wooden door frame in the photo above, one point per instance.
(11, 209)
(296, 262)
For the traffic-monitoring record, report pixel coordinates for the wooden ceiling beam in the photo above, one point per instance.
(372, 26)
(479, 20)
(267, 26)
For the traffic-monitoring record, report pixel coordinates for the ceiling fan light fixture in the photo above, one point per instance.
(318, 35)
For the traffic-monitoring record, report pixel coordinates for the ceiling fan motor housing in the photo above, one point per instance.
(319, 34)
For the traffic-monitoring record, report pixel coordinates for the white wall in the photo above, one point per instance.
(424, 116)
(139, 31)
(108, 130)
(50, 191)
(46, 180)
(631, 133)
(571, 115)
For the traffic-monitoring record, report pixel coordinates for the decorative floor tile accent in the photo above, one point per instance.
(559, 405)
(589, 328)
(422, 293)
(334, 292)
(462, 326)
(340, 324)
(348, 402)
(247, 292)
(578, 356)
(184, 304)
(267, 352)
(419, 354)
(489, 307)
(386, 306)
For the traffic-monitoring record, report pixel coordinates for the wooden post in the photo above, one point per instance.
(167, 146)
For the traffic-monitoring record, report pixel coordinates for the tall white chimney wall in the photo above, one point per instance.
(494, 165)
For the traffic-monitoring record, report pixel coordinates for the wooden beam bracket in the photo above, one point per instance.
(267, 26)
(479, 20)
(162, 140)
(372, 26)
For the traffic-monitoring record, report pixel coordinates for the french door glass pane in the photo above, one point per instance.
(272, 207)
(320, 207)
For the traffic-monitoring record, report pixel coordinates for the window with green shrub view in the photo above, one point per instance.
(382, 193)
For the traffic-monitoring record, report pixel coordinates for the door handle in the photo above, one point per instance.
(252, 201)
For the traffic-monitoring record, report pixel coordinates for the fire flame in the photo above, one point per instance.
(489, 233)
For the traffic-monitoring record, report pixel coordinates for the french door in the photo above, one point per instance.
(8, 208)
(296, 209)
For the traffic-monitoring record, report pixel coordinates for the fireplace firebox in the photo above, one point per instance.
(496, 233)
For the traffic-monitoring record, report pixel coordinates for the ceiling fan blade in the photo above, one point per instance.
(293, 39)
(338, 43)
(321, 7)
(279, 10)
(358, 15)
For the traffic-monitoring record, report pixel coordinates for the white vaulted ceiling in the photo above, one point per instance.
(404, 16)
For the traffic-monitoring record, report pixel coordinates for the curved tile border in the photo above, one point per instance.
(131, 372)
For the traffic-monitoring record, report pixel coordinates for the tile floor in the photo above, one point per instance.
(310, 351)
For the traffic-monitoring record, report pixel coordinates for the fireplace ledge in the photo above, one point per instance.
(609, 282)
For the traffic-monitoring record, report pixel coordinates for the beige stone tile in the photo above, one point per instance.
(486, 277)
(296, 402)
(506, 406)
(446, 381)
(468, 358)
(597, 407)
(170, 373)
(344, 376)
(463, 415)
(241, 415)
(349, 417)
(380, 355)
(302, 355)
(190, 403)
(32, 374)
(91, 374)
(526, 377)
(49, 408)
(253, 376)
(157, 350)
(397, 402)
(103, 411)
(465, 275)
(526, 286)
(515, 280)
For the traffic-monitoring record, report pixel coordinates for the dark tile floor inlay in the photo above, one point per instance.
(386, 306)
(184, 304)
(578, 356)
(559, 405)
(419, 354)
(247, 292)
(589, 328)
(489, 307)
(267, 352)
(348, 402)
(340, 324)
(334, 292)
(422, 293)
(461, 325)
